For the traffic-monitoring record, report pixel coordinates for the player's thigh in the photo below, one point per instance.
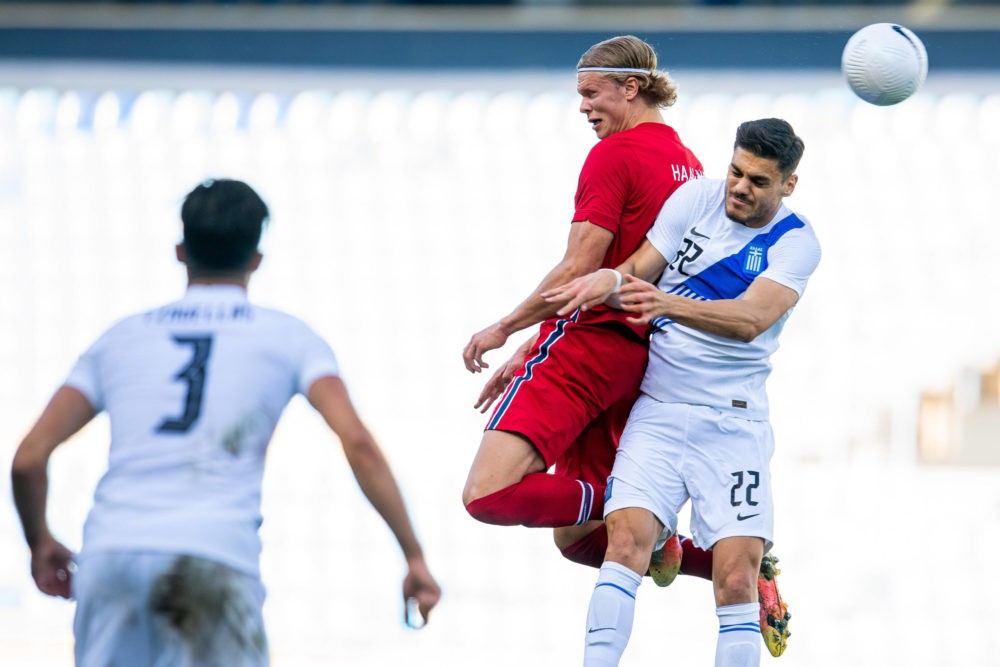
(502, 459)
(646, 471)
(566, 385)
(728, 473)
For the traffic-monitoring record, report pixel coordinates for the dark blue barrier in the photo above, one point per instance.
(472, 49)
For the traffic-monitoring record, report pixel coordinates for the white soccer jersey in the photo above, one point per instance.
(193, 391)
(711, 257)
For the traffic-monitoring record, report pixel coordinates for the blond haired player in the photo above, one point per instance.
(730, 261)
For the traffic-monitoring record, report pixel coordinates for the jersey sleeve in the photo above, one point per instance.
(683, 206)
(603, 188)
(85, 375)
(317, 360)
(793, 259)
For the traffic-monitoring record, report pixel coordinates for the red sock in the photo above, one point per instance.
(696, 562)
(589, 550)
(540, 500)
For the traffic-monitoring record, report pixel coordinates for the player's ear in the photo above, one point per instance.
(255, 262)
(790, 185)
(631, 87)
(179, 253)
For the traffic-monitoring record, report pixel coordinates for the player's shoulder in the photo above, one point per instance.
(798, 232)
(706, 186)
(645, 136)
(801, 225)
(280, 318)
(127, 323)
(700, 196)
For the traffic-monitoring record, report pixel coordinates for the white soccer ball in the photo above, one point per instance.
(884, 63)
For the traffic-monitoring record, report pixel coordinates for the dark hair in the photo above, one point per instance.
(655, 86)
(774, 139)
(222, 220)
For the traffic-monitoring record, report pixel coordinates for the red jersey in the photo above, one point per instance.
(573, 395)
(624, 182)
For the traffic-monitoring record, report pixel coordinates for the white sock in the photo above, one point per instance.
(739, 635)
(609, 619)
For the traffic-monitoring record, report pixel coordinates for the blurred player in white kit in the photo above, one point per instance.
(168, 573)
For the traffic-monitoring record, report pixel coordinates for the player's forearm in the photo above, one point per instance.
(535, 308)
(30, 483)
(379, 486)
(729, 318)
(646, 263)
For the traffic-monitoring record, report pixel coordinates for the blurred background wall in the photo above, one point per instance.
(420, 161)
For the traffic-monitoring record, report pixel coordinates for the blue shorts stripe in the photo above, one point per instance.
(542, 355)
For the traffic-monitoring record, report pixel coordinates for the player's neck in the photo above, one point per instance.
(648, 116)
(237, 281)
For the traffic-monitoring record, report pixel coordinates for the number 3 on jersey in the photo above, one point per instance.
(194, 375)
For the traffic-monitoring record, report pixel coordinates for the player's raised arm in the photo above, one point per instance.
(329, 396)
(763, 304)
(495, 386)
(585, 249)
(600, 286)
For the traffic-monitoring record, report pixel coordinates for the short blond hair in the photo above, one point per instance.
(655, 86)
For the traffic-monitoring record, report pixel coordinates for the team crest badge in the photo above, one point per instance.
(754, 262)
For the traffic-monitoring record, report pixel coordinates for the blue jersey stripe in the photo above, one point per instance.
(732, 275)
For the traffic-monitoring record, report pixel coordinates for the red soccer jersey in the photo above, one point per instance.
(623, 184)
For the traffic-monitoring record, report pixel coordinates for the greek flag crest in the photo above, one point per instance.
(754, 262)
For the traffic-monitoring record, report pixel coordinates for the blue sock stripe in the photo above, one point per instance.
(740, 627)
(607, 583)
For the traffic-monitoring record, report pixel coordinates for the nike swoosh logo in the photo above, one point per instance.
(740, 517)
(695, 232)
(589, 630)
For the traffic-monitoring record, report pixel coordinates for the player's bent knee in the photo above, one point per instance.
(470, 494)
(625, 547)
(493, 508)
(736, 587)
(566, 536)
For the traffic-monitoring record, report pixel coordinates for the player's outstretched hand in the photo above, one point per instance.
(420, 594)
(52, 567)
(645, 300)
(490, 338)
(583, 292)
(496, 384)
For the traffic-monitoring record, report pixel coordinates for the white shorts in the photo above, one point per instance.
(160, 610)
(672, 452)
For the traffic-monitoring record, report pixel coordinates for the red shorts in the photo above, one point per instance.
(573, 395)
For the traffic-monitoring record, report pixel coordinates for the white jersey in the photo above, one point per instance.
(193, 390)
(711, 257)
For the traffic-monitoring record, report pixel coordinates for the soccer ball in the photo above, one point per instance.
(884, 63)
